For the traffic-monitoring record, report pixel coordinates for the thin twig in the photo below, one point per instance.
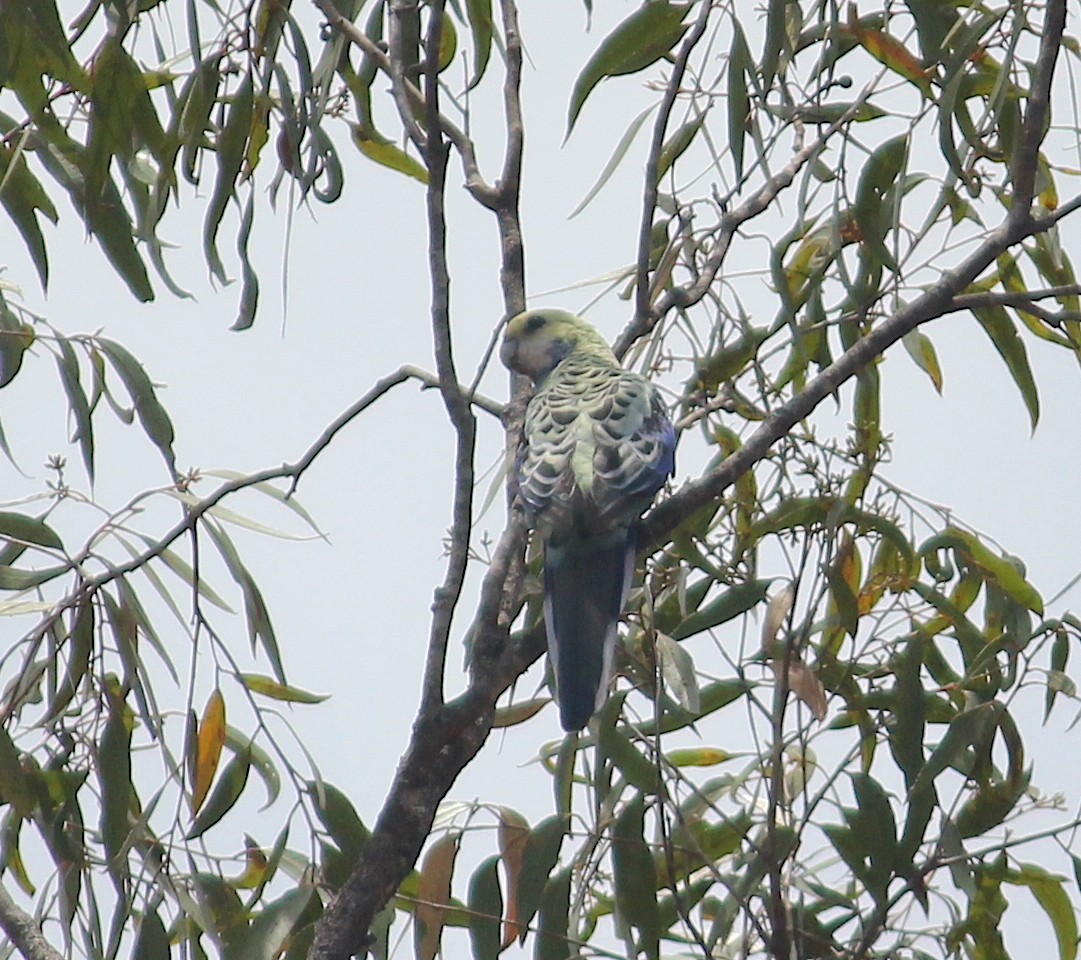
(23, 931)
(688, 294)
(194, 512)
(656, 147)
(1021, 301)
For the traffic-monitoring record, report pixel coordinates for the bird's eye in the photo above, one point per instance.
(533, 324)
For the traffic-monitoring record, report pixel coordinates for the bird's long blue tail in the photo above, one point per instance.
(586, 580)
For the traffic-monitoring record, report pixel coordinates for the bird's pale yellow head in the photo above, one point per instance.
(537, 341)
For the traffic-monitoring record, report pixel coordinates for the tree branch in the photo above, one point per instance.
(465, 426)
(1037, 110)
(660, 126)
(23, 931)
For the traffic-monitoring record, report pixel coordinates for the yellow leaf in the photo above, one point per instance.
(210, 742)
(433, 896)
(513, 834)
(890, 52)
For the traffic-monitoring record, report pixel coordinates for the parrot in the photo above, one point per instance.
(597, 446)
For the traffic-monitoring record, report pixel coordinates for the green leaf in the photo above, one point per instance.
(271, 927)
(614, 161)
(874, 207)
(677, 144)
(1001, 570)
(152, 941)
(341, 819)
(152, 415)
(551, 940)
(376, 147)
(231, 147)
(485, 901)
(638, 42)
(269, 687)
(223, 798)
(19, 527)
(538, 860)
(732, 603)
(1001, 329)
(480, 22)
(635, 876)
(16, 787)
(260, 761)
(82, 648)
(23, 196)
(114, 771)
(739, 103)
(968, 729)
(79, 406)
(922, 351)
(249, 296)
(1051, 895)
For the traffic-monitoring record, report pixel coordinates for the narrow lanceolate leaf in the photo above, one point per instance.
(739, 103)
(678, 143)
(538, 860)
(993, 566)
(433, 896)
(552, 937)
(513, 835)
(1050, 894)
(890, 52)
(1000, 328)
(270, 929)
(260, 760)
(225, 795)
(485, 901)
(20, 528)
(23, 197)
(384, 152)
(232, 146)
(152, 415)
(81, 648)
(114, 771)
(77, 403)
(615, 160)
(152, 941)
(15, 785)
(341, 819)
(636, 877)
(480, 22)
(268, 687)
(638, 42)
(516, 713)
(922, 351)
(210, 740)
(967, 729)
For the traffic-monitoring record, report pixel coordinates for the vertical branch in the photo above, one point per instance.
(512, 268)
(649, 197)
(1037, 111)
(458, 408)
